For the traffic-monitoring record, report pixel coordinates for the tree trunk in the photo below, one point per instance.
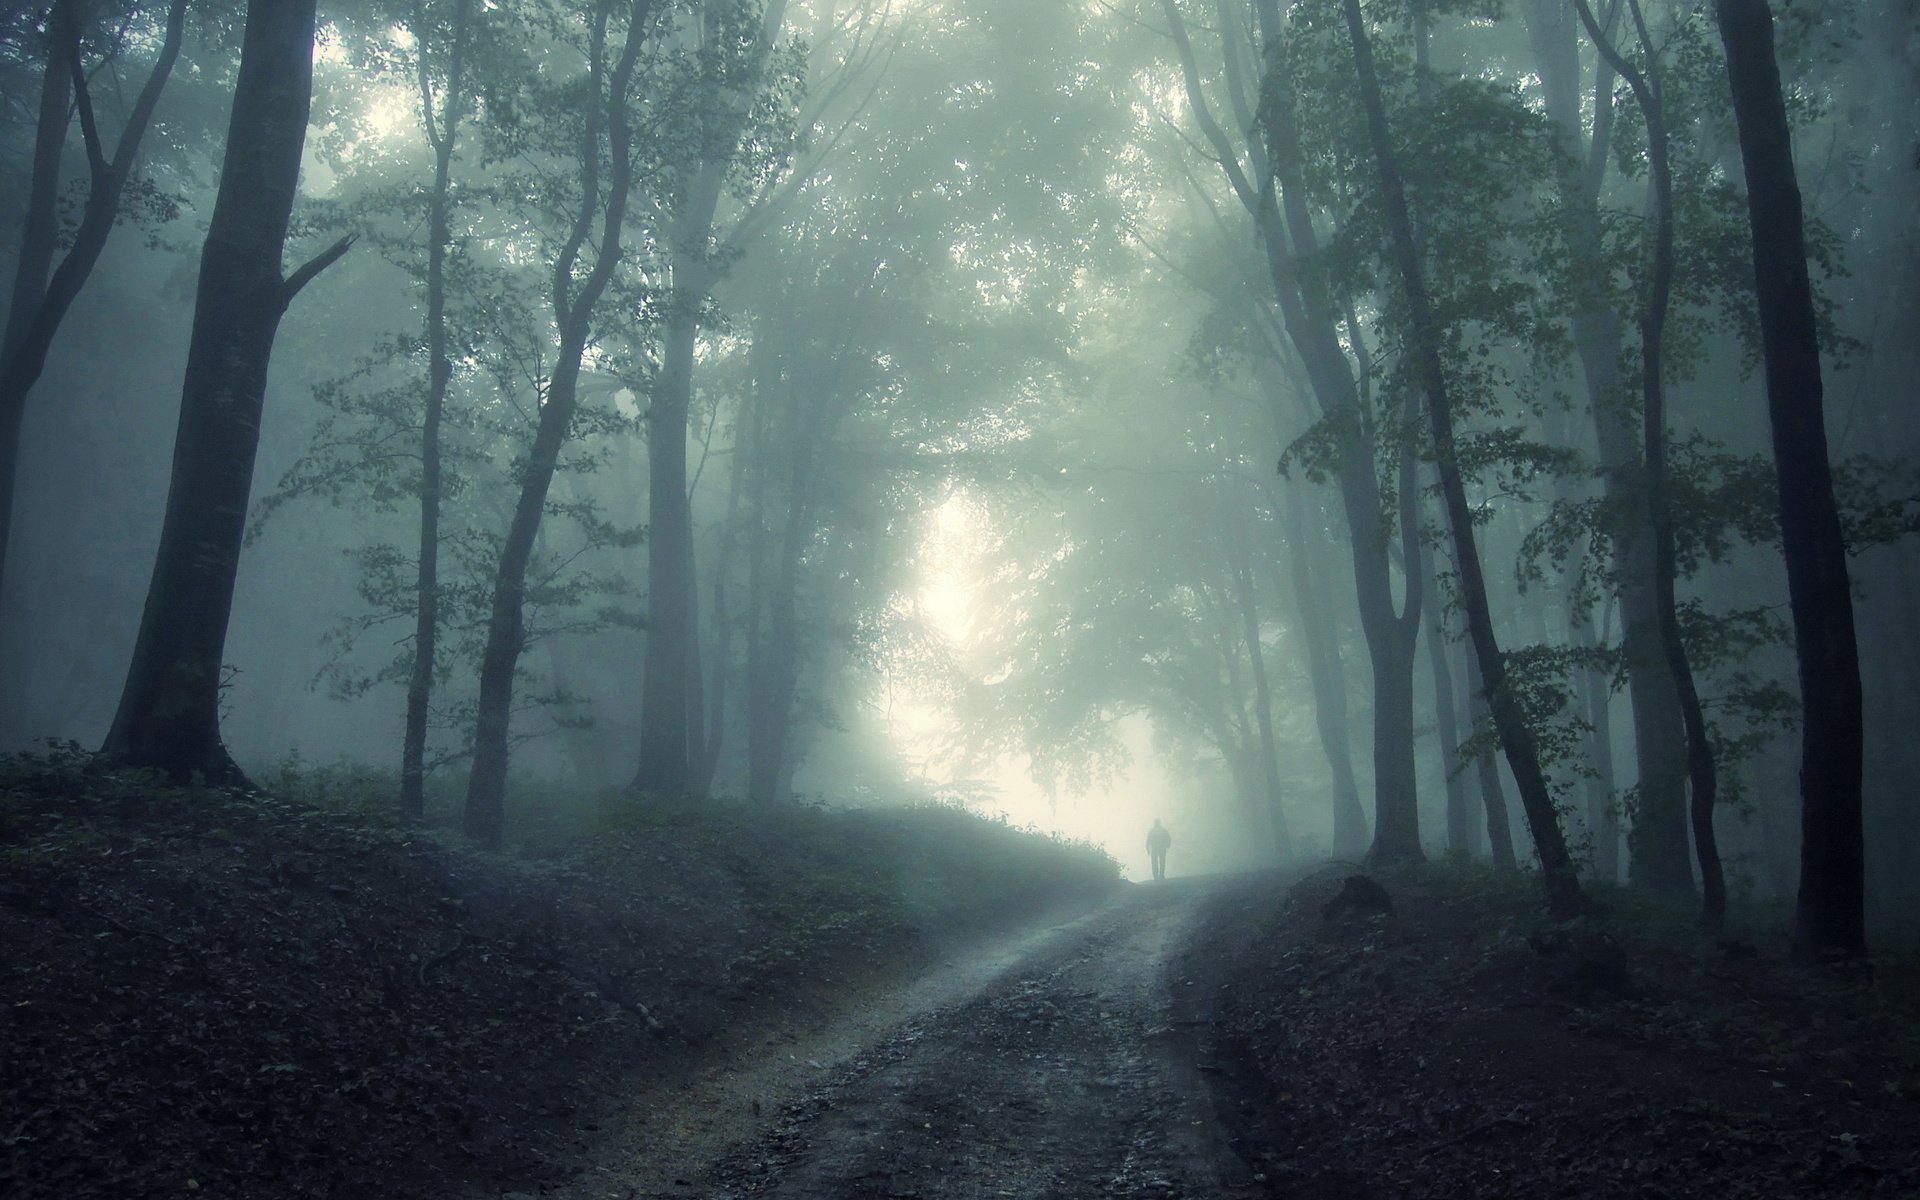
(1328, 676)
(426, 630)
(40, 304)
(1312, 327)
(39, 232)
(1829, 915)
(665, 767)
(1602, 814)
(1700, 765)
(169, 713)
(1247, 602)
(723, 621)
(485, 816)
(1562, 885)
(672, 737)
(773, 681)
(1493, 794)
(1658, 837)
(1311, 323)
(1459, 832)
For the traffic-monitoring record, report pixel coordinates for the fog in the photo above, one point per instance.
(1015, 405)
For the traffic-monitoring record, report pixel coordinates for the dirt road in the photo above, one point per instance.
(1063, 1062)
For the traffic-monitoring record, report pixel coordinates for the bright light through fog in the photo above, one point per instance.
(1208, 835)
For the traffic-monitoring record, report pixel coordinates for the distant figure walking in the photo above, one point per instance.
(1158, 839)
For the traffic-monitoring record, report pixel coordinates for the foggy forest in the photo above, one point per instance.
(937, 598)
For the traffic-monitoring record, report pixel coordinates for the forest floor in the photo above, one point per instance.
(242, 996)
(1463, 1046)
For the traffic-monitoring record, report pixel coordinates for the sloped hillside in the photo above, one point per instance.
(237, 994)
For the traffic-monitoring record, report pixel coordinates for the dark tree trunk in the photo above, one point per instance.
(1486, 768)
(1829, 916)
(1459, 831)
(772, 681)
(169, 714)
(1311, 322)
(723, 621)
(40, 225)
(1658, 836)
(672, 734)
(1328, 676)
(1602, 814)
(1224, 715)
(40, 304)
(39, 232)
(1562, 884)
(1391, 638)
(1653, 319)
(443, 136)
(485, 816)
(666, 767)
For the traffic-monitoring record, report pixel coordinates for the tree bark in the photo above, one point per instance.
(1829, 914)
(169, 716)
(1562, 884)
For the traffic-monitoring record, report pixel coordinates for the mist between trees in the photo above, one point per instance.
(1396, 429)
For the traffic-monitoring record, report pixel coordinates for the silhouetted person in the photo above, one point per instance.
(1158, 839)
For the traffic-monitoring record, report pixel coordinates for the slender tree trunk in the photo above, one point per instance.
(39, 232)
(485, 816)
(696, 675)
(40, 225)
(1493, 794)
(672, 736)
(1459, 833)
(1562, 884)
(1328, 676)
(169, 713)
(1226, 720)
(39, 303)
(1658, 838)
(1603, 817)
(1291, 247)
(772, 687)
(1829, 916)
(1312, 327)
(1700, 766)
(443, 137)
(1248, 604)
(723, 620)
(665, 724)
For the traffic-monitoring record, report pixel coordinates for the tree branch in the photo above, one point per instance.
(313, 266)
(68, 24)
